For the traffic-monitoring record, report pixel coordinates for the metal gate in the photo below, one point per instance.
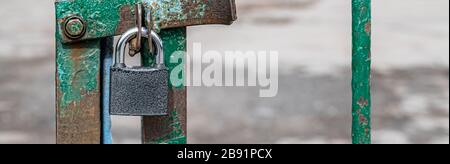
(84, 48)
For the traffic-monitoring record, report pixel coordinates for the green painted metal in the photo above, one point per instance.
(78, 92)
(78, 60)
(77, 89)
(169, 129)
(102, 17)
(361, 68)
(113, 17)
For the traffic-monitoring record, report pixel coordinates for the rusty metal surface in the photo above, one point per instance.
(78, 60)
(78, 93)
(109, 18)
(199, 13)
(170, 129)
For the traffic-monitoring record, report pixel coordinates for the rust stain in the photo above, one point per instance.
(367, 131)
(363, 102)
(158, 127)
(362, 118)
(192, 13)
(215, 12)
(368, 28)
(79, 123)
(127, 19)
(77, 95)
(75, 55)
(61, 28)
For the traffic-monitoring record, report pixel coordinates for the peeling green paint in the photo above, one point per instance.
(102, 17)
(76, 67)
(77, 84)
(361, 67)
(112, 17)
(174, 40)
(174, 44)
(78, 92)
(176, 136)
(78, 60)
(170, 10)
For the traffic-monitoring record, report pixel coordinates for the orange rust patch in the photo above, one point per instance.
(363, 102)
(368, 28)
(126, 19)
(80, 121)
(157, 127)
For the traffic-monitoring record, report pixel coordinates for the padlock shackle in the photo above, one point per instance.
(119, 57)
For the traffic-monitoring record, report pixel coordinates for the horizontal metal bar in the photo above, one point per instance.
(113, 17)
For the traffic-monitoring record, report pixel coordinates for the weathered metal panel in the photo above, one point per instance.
(361, 67)
(78, 58)
(169, 129)
(113, 17)
(78, 92)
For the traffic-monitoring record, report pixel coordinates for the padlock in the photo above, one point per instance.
(139, 91)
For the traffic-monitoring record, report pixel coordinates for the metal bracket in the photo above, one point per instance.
(109, 18)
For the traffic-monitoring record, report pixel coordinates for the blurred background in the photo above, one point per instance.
(410, 76)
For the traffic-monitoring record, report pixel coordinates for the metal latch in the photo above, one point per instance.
(90, 19)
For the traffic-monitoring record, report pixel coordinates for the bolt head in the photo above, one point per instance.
(74, 27)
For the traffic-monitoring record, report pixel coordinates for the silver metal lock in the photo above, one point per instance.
(139, 91)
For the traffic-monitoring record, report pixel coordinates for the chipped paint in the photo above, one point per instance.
(176, 136)
(76, 70)
(169, 129)
(78, 61)
(78, 92)
(77, 87)
(113, 17)
(101, 17)
(361, 67)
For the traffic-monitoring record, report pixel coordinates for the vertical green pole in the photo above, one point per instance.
(169, 129)
(361, 63)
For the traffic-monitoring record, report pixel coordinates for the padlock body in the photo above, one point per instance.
(139, 91)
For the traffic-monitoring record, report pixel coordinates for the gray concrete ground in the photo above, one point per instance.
(410, 77)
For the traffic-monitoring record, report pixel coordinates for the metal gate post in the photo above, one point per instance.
(361, 68)
(78, 92)
(169, 129)
(83, 52)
